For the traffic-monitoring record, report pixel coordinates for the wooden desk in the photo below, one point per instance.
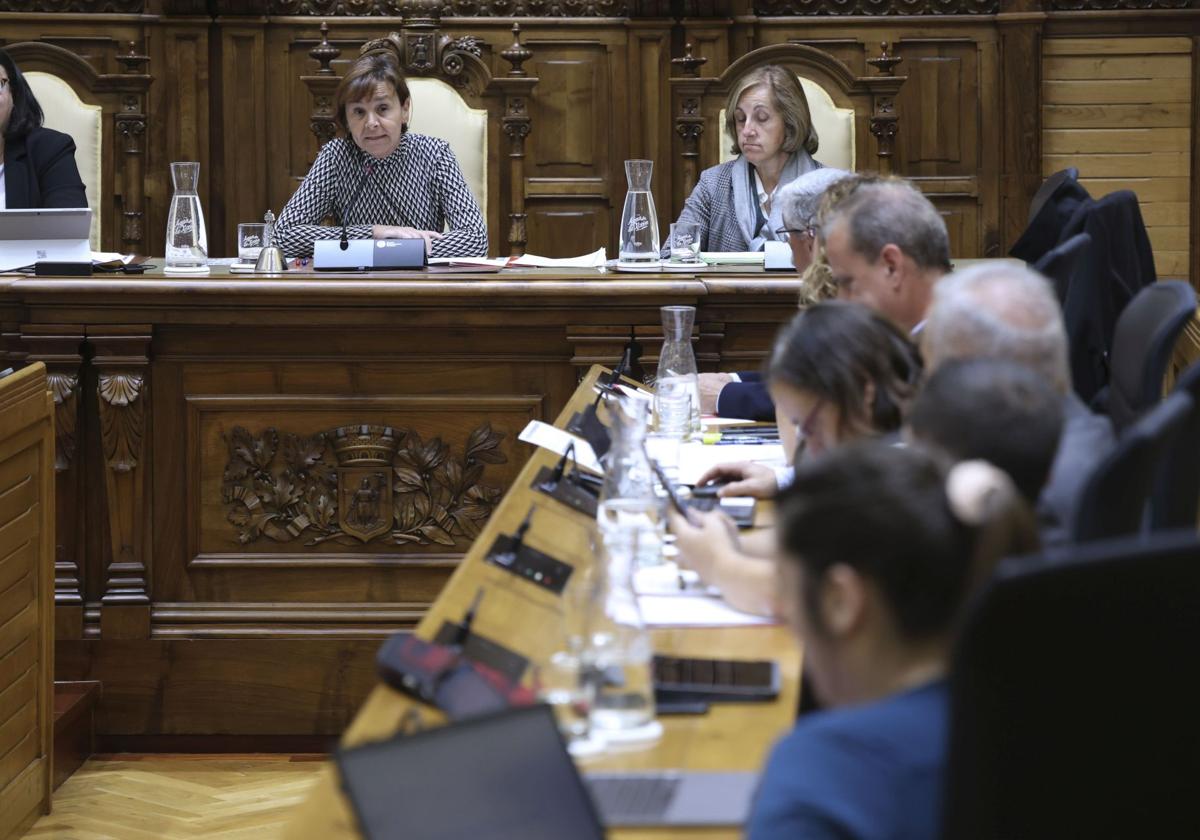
(728, 737)
(212, 591)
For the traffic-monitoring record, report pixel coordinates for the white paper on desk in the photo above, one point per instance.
(106, 257)
(695, 459)
(670, 581)
(732, 257)
(596, 259)
(495, 262)
(694, 611)
(556, 440)
(713, 421)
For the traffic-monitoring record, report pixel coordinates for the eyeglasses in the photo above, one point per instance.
(3, 84)
(809, 230)
(805, 427)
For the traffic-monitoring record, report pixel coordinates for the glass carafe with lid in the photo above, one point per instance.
(677, 384)
(639, 219)
(187, 239)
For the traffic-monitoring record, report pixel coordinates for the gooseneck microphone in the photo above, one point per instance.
(362, 182)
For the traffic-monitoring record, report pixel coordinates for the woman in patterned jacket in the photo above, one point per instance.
(768, 120)
(383, 181)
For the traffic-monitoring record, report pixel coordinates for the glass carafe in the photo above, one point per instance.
(187, 240)
(631, 511)
(677, 385)
(639, 220)
(617, 648)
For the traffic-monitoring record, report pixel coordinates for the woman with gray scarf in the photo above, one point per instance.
(768, 120)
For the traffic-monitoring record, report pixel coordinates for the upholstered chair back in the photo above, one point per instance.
(67, 113)
(439, 111)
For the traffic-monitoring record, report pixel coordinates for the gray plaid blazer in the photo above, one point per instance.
(712, 206)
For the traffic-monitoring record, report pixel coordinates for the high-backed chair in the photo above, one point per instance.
(1175, 501)
(1143, 342)
(455, 97)
(855, 115)
(105, 114)
(1051, 209)
(1074, 695)
(1113, 502)
(67, 113)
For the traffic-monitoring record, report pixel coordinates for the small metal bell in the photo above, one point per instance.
(270, 259)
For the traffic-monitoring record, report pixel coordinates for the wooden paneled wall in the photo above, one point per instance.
(998, 92)
(1121, 111)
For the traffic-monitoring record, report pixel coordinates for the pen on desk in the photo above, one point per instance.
(743, 441)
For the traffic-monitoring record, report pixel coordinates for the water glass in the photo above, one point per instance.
(252, 238)
(684, 241)
(673, 406)
(632, 533)
(563, 685)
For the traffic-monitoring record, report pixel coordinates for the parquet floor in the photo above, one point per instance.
(176, 797)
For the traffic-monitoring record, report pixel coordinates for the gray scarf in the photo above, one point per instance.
(745, 201)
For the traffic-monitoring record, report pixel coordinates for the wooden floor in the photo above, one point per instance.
(163, 798)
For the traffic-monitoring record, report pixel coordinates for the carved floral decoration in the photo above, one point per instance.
(358, 484)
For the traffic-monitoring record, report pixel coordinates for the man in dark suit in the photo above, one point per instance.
(37, 164)
(1009, 312)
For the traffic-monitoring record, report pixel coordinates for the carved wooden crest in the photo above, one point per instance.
(358, 484)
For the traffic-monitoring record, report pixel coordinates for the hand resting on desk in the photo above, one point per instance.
(397, 232)
(745, 478)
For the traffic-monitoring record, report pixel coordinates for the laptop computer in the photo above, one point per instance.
(29, 236)
(508, 776)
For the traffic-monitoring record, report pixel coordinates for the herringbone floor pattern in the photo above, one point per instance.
(176, 798)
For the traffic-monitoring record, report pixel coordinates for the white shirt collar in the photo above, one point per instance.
(763, 195)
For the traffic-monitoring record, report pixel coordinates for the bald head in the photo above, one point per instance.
(998, 311)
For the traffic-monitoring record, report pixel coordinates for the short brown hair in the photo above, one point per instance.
(365, 74)
(790, 101)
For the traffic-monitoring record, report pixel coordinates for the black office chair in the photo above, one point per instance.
(1113, 501)
(1176, 497)
(1143, 342)
(1060, 262)
(1075, 693)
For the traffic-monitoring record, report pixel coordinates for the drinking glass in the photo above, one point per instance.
(563, 684)
(684, 242)
(252, 237)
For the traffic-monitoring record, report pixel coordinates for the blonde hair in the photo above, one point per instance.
(817, 279)
(790, 101)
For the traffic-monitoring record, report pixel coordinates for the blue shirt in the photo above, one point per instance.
(864, 772)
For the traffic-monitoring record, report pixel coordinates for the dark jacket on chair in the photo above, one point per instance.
(1113, 269)
(40, 171)
(1047, 222)
(1086, 439)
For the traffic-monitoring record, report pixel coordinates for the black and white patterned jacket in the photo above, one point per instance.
(418, 185)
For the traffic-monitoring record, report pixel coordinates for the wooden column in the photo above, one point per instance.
(122, 366)
(516, 127)
(131, 128)
(689, 124)
(1020, 23)
(59, 347)
(885, 123)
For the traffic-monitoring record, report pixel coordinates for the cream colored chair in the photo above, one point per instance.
(67, 113)
(835, 128)
(440, 111)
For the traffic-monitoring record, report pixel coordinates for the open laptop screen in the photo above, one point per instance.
(504, 777)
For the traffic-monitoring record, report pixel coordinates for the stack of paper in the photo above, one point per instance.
(732, 257)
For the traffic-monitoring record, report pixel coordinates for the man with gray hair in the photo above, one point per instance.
(793, 211)
(887, 246)
(1007, 311)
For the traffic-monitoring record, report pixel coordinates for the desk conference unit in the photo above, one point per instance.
(259, 479)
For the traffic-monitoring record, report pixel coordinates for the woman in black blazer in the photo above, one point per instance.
(37, 164)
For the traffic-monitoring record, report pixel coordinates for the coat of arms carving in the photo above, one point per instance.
(381, 483)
